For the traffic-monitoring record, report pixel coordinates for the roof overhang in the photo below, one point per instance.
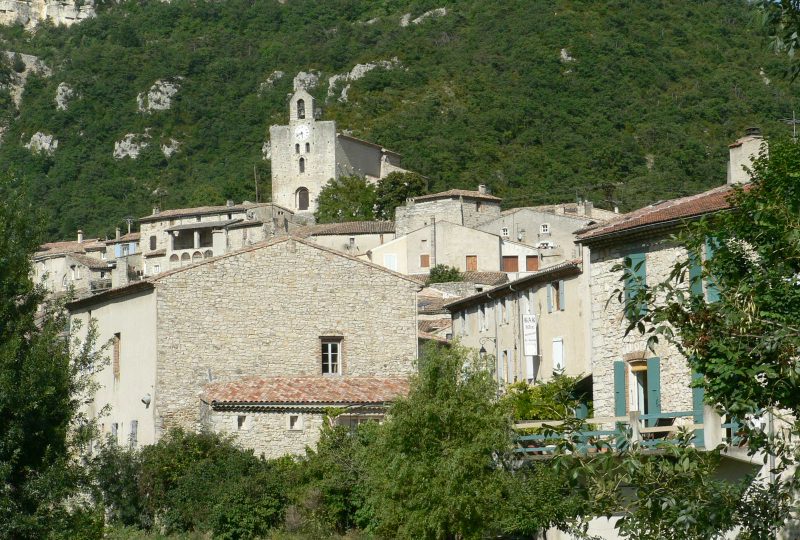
(204, 225)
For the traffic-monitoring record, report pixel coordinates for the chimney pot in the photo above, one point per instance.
(80, 236)
(229, 203)
(482, 189)
(117, 233)
(156, 210)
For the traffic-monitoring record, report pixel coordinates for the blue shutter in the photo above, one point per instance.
(698, 396)
(695, 276)
(712, 292)
(581, 411)
(118, 250)
(549, 298)
(619, 389)
(653, 388)
(561, 295)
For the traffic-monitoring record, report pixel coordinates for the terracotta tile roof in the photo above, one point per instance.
(157, 253)
(348, 227)
(435, 325)
(69, 246)
(427, 336)
(89, 262)
(663, 212)
(454, 193)
(306, 390)
(130, 237)
(204, 210)
(432, 305)
(486, 278)
(570, 211)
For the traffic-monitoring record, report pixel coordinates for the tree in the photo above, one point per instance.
(441, 273)
(348, 198)
(780, 20)
(436, 469)
(394, 189)
(44, 382)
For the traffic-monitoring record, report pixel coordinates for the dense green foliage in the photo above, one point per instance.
(43, 385)
(348, 198)
(556, 399)
(394, 189)
(647, 96)
(442, 273)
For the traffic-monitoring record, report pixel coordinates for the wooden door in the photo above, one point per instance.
(472, 263)
(511, 264)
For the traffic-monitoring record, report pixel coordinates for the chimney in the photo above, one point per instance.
(156, 210)
(616, 209)
(742, 153)
(588, 206)
(116, 233)
(482, 189)
(229, 203)
(80, 236)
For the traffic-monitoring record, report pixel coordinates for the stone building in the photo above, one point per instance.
(308, 152)
(534, 326)
(459, 206)
(174, 238)
(284, 308)
(80, 265)
(627, 376)
(353, 237)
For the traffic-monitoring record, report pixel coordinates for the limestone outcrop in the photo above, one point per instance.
(266, 150)
(438, 12)
(131, 145)
(170, 147)
(159, 97)
(64, 93)
(42, 143)
(358, 71)
(31, 13)
(29, 64)
(268, 84)
(307, 80)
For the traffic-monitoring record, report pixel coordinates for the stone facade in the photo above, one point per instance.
(253, 314)
(464, 211)
(608, 324)
(307, 153)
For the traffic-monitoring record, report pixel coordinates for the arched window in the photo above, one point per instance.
(302, 164)
(301, 109)
(297, 148)
(308, 147)
(173, 261)
(302, 198)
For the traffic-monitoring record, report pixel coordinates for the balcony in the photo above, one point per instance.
(98, 285)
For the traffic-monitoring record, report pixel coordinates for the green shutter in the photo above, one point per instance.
(637, 278)
(712, 292)
(695, 275)
(561, 303)
(698, 396)
(549, 298)
(619, 389)
(653, 388)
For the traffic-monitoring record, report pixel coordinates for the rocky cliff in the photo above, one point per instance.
(30, 13)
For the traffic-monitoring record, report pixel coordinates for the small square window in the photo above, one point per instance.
(504, 232)
(240, 420)
(331, 356)
(544, 228)
(295, 422)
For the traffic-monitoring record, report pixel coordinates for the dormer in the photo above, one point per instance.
(301, 106)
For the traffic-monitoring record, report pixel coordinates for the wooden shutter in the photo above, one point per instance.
(472, 263)
(653, 388)
(620, 400)
(531, 263)
(561, 303)
(549, 298)
(712, 292)
(695, 275)
(698, 397)
(511, 264)
(424, 261)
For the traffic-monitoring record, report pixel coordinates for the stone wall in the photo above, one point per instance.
(609, 343)
(261, 312)
(414, 216)
(267, 433)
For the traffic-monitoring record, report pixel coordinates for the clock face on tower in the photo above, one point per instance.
(301, 133)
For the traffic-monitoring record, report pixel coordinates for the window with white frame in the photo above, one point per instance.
(294, 422)
(331, 355)
(544, 228)
(558, 354)
(504, 232)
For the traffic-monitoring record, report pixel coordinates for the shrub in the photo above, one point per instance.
(441, 273)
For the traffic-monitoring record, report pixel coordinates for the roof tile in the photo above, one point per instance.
(453, 193)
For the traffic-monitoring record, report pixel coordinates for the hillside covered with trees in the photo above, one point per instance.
(542, 101)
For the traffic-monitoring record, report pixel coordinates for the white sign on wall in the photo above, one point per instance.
(530, 335)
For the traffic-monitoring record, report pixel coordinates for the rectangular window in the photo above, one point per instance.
(134, 436)
(156, 268)
(544, 228)
(116, 344)
(153, 243)
(352, 242)
(504, 232)
(294, 422)
(472, 263)
(115, 432)
(240, 420)
(125, 250)
(462, 323)
(510, 263)
(103, 255)
(390, 261)
(331, 355)
(482, 318)
(558, 354)
(531, 263)
(424, 261)
(555, 296)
